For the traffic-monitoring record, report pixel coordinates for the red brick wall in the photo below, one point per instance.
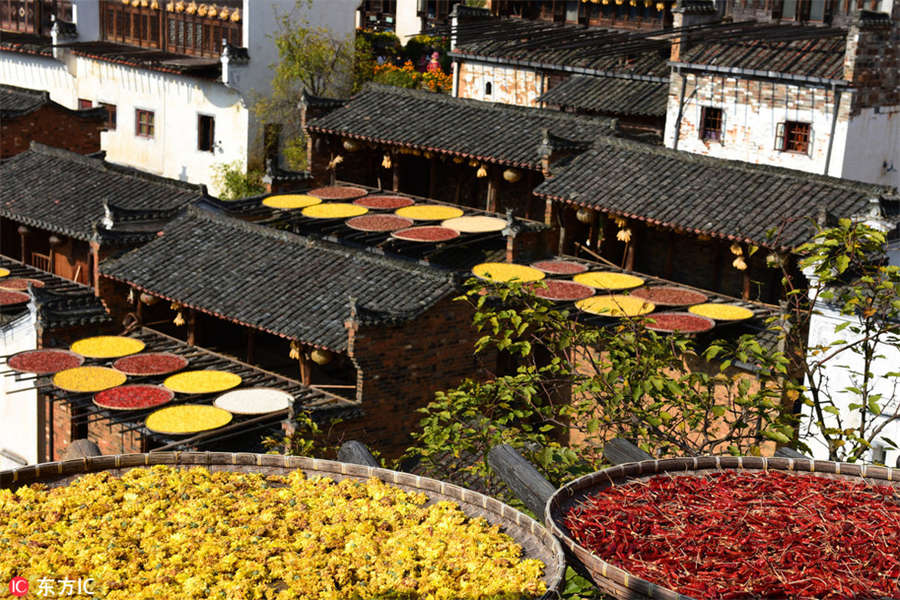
(51, 126)
(399, 368)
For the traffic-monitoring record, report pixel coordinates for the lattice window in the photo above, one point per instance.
(794, 136)
(144, 123)
(110, 115)
(711, 123)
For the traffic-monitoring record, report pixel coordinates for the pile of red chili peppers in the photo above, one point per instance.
(749, 535)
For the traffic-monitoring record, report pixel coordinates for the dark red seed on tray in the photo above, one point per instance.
(133, 397)
(384, 202)
(154, 363)
(378, 223)
(670, 295)
(337, 192)
(677, 321)
(561, 291)
(559, 267)
(426, 234)
(20, 283)
(44, 362)
(8, 298)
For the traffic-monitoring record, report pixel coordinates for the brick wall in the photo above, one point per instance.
(52, 126)
(400, 367)
(872, 61)
(509, 85)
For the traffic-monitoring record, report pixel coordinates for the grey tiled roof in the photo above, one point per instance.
(17, 101)
(276, 281)
(728, 199)
(817, 57)
(597, 53)
(610, 95)
(429, 121)
(63, 192)
(148, 58)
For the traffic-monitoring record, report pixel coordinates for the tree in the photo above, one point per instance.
(576, 385)
(233, 183)
(847, 377)
(310, 59)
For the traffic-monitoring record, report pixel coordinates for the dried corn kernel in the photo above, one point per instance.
(202, 382)
(722, 312)
(88, 379)
(428, 212)
(107, 346)
(494, 271)
(616, 305)
(160, 532)
(290, 201)
(187, 418)
(334, 210)
(606, 280)
(4, 272)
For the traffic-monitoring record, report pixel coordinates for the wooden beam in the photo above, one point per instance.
(395, 173)
(356, 453)
(305, 368)
(492, 192)
(522, 478)
(192, 327)
(745, 276)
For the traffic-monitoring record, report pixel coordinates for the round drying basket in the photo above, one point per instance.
(617, 582)
(535, 540)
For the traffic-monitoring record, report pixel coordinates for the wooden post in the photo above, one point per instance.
(522, 478)
(745, 276)
(670, 255)
(395, 172)
(305, 368)
(630, 249)
(23, 235)
(594, 230)
(139, 308)
(433, 173)
(251, 344)
(492, 192)
(356, 453)
(192, 327)
(717, 267)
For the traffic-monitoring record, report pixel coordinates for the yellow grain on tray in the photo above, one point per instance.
(88, 379)
(616, 305)
(187, 418)
(291, 201)
(721, 312)
(107, 346)
(428, 212)
(609, 281)
(4, 272)
(334, 210)
(191, 534)
(202, 382)
(477, 224)
(503, 272)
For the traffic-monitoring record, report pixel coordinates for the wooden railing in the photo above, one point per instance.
(41, 261)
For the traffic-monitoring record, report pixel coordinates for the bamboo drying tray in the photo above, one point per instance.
(620, 584)
(535, 540)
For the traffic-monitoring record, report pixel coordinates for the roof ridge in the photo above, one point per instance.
(101, 164)
(744, 166)
(495, 106)
(434, 271)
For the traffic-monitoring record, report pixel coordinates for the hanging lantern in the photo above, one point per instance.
(351, 145)
(321, 357)
(584, 215)
(512, 175)
(482, 172)
(386, 161)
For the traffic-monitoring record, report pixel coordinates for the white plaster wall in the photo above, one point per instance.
(175, 99)
(752, 111)
(521, 87)
(821, 332)
(18, 411)
(86, 14)
(873, 139)
(408, 22)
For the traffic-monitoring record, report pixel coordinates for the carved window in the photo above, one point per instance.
(711, 124)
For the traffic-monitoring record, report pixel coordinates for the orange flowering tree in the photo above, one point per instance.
(408, 77)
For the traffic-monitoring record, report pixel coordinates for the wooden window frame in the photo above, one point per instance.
(795, 137)
(85, 104)
(110, 115)
(712, 124)
(144, 123)
(206, 140)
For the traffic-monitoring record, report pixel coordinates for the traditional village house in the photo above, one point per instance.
(30, 115)
(405, 18)
(826, 101)
(177, 78)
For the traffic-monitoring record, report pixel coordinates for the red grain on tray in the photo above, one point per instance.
(337, 192)
(378, 223)
(561, 291)
(152, 363)
(764, 534)
(133, 397)
(384, 202)
(8, 298)
(670, 295)
(559, 267)
(44, 362)
(426, 234)
(20, 283)
(679, 321)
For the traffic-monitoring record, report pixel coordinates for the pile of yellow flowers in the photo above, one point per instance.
(168, 533)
